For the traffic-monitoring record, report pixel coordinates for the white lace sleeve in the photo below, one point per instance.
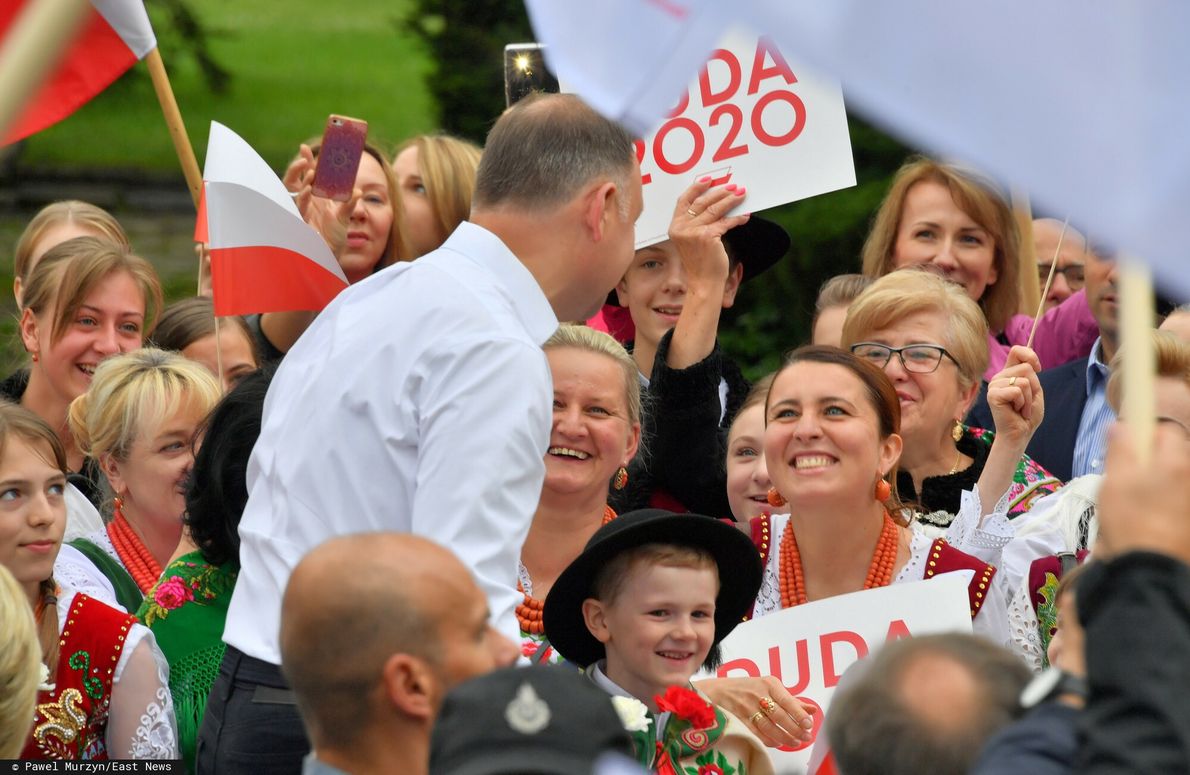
(1026, 630)
(73, 570)
(141, 723)
(980, 536)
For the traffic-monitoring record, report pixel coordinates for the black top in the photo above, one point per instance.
(88, 480)
(945, 492)
(267, 350)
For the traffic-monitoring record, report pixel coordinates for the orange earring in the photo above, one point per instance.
(775, 499)
(35, 357)
(883, 490)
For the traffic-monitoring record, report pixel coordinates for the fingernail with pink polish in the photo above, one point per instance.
(731, 187)
(706, 179)
(741, 191)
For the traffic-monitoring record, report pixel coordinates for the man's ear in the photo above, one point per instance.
(595, 617)
(411, 687)
(734, 278)
(601, 205)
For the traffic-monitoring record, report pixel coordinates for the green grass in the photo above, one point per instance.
(292, 62)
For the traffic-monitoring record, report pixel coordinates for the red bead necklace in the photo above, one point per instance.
(137, 560)
(529, 612)
(793, 580)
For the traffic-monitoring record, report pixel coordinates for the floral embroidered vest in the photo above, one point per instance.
(71, 720)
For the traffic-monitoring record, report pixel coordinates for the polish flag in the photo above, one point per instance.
(264, 256)
(115, 35)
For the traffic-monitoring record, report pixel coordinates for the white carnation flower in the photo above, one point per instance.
(633, 713)
(44, 684)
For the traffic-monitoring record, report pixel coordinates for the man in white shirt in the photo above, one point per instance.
(420, 399)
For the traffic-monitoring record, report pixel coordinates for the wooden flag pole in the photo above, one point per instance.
(173, 120)
(1137, 315)
(1049, 281)
(1028, 282)
(31, 48)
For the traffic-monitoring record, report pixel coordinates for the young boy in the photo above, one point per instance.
(675, 291)
(642, 609)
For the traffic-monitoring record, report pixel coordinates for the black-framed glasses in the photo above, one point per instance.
(916, 358)
(1074, 273)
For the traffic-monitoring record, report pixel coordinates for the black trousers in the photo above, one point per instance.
(251, 724)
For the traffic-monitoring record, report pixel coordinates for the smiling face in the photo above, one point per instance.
(32, 511)
(424, 232)
(930, 403)
(110, 320)
(934, 232)
(592, 435)
(659, 628)
(822, 440)
(747, 473)
(370, 224)
(152, 479)
(238, 360)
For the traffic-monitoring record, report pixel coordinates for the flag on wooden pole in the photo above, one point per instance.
(115, 35)
(264, 256)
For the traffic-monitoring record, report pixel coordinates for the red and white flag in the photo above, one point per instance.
(264, 256)
(115, 35)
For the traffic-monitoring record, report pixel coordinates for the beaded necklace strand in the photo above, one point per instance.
(793, 581)
(137, 560)
(529, 612)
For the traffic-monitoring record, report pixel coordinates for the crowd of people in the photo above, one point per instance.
(496, 507)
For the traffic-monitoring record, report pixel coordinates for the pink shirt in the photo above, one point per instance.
(1064, 334)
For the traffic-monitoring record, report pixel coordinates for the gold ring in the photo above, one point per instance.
(756, 717)
(692, 213)
(1011, 381)
(768, 706)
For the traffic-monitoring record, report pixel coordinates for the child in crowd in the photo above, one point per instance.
(642, 609)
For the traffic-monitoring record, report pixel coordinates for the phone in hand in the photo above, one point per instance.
(525, 72)
(338, 157)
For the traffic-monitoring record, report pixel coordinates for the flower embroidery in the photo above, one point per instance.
(172, 593)
(633, 713)
(687, 705)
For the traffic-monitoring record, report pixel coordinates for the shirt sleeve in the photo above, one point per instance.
(141, 723)
(483, 432)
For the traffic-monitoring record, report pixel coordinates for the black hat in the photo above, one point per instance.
(756, 245)
(739, 574)
(539, 719)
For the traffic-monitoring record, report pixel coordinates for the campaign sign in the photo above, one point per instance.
(808, 647)
(752, 117)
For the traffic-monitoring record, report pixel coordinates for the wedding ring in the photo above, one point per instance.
(1011, 381)
(692, 213)
(768, 706)
(756, 717)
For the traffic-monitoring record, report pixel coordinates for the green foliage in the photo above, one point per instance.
(465, 39)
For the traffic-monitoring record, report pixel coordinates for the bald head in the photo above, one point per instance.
(1071, 258)
(354, 602)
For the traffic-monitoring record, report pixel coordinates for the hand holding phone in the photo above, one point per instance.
(339, 157)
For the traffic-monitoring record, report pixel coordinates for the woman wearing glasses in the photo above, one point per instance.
(930, 339)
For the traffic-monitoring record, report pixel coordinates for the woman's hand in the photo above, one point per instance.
(699, 222)
(327, 217)
(1015, 398)
(789, 724)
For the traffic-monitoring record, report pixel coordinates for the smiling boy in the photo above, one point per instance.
(642, 609)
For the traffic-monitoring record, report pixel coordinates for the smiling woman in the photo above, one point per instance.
(138, 422)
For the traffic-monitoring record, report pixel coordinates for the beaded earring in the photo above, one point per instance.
(621, 479)
(775, 499)
(956, 432)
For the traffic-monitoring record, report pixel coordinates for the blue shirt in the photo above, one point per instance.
(1091, 442)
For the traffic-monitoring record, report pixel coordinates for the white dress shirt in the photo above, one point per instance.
(419, 401)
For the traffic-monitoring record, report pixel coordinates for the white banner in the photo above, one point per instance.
(808, 647)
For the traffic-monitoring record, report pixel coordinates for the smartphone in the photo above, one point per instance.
(338, 157)
(525, 72)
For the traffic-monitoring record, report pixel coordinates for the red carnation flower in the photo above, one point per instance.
(687, 705)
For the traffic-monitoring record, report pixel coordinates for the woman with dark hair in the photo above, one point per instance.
(187, 607)
(832, 446)
(188, 327)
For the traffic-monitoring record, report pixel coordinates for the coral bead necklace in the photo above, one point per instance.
(793, 581)
(528, 613)
(135, 556)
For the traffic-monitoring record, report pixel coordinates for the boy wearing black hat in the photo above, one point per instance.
(642, 609)
(675, 291)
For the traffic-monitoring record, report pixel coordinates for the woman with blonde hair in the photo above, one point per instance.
(436, 175)
(54, 224)
(103, 680)
(955, 222)
(138, 422)
(85, 300)
(20, 666)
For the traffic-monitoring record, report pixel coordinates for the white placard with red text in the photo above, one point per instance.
(755, 118)
(808, 647)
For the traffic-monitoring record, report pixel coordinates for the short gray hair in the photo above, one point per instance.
(545, 148)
